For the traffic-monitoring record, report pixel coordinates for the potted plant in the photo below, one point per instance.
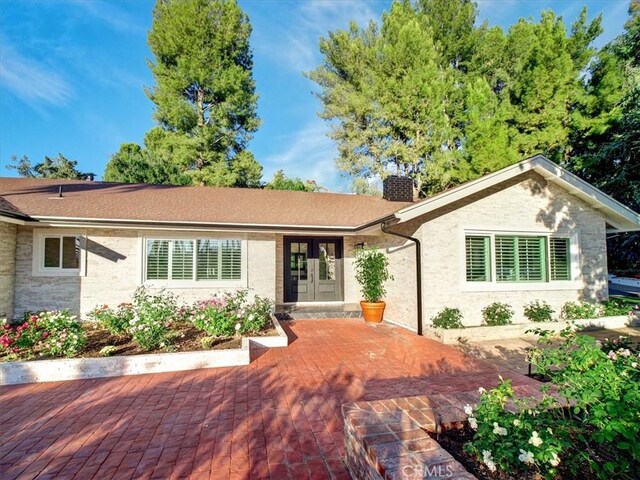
(372, 270)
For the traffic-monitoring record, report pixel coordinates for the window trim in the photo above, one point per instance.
(38, 268)
(193, 283)
(493, 285)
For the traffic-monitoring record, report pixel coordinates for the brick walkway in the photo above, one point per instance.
(276, 418)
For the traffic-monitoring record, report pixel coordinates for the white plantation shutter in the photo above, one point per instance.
(157, 259)
(182, 260)
(199, 260)
(560, 264)
(230, 260)
(208, 261)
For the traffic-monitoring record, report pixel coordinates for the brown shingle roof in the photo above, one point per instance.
(161, 203)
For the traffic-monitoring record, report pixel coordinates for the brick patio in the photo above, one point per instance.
(279, 417)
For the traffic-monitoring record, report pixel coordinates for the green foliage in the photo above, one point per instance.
(133, 164)
(115, 320)
(603, 387)
(371, 272)
(428, 94)
(204, 92)
(530, 440)
(231, 314)
(56, 167)
(56, 333)
(108, 351)
(497, 314)
(448, 318)
(152, 319)
(538, 311)
(281, 182)
(580, 310)
(614, 307)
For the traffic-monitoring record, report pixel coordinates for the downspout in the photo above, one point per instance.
(418, 270)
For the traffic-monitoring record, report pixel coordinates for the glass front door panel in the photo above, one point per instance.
(299, 261)
(327, 260)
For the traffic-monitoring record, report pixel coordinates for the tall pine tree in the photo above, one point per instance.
(204, 95)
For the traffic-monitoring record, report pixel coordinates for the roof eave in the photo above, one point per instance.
(617, 215)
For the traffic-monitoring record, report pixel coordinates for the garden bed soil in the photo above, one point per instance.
(186, 338)
(453, 441)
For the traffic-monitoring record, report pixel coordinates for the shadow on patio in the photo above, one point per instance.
(277, 418)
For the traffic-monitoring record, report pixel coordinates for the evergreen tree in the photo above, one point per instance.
(56, 167)
(281, 182)
(204, 95)
(134, 164)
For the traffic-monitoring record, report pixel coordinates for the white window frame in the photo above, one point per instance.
(38, 268)
(177, 284)
(493, 285)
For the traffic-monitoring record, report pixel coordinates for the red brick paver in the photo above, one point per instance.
(280, 417)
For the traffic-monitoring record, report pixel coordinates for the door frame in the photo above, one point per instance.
(314, 261)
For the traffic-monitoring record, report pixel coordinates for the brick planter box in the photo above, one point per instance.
(389, 439)
(480, 333)
(34, 371)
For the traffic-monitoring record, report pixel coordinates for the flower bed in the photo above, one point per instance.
(216, 332)
(480, 333)
(588, 429)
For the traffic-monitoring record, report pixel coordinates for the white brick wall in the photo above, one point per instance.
(8, 233)
(525, 204)
(114, 271)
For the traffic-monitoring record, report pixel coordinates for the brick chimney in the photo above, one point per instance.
(397, 189)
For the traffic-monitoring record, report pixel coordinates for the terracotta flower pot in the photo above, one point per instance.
(372, 311)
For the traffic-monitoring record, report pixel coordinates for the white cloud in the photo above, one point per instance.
(293, 43)
(31, 81)
(308, 153)
(112, 15)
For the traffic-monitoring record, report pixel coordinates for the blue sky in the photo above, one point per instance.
(72, 75)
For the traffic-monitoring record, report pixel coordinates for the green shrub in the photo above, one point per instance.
(108, 350)
(116, 321)
(230, 314)
(580, 310)
(527, 441)
(152, 319)
(448, 318)
(614, 307)
(372, 271)
(497, 314)
(601, 380)
(538, 311)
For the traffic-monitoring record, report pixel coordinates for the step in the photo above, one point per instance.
(317, 310)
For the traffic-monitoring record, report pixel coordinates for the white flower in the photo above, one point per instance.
(612, 355)
(468, 409)
(473, 423)
(634, 364)
(535, 440)
(498, 430)
(238, 327)
(525, 457)
(624, 352)
(488, 460)
(239, 315)
(481, 390)
(516, 422)
(555, 460)
(251, 317)
(549, 430)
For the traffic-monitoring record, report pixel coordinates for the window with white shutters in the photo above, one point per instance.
(193, 260)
